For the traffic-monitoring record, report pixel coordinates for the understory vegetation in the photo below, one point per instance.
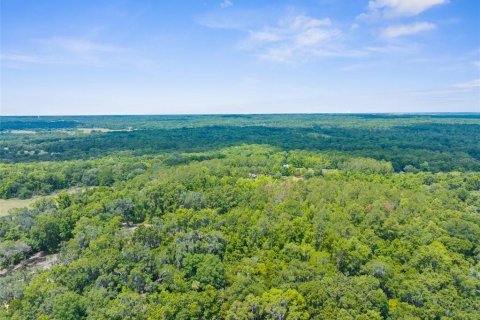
(244, 222)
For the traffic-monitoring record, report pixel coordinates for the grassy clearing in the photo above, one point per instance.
(7, 204)
(103, 130)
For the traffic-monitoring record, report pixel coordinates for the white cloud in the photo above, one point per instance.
(406, 29)
(225, 4)
(305, 22)
(265, 36)
(312, 37)
(399, 8)
(292, 38)
(473, 84)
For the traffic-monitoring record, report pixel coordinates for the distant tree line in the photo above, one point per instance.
(423, 147)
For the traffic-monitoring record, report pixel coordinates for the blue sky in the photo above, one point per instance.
(172, 57)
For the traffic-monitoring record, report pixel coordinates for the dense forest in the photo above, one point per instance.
(241, 217)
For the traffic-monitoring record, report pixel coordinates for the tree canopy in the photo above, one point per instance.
(246, 231)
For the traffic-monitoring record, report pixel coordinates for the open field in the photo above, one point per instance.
(13, 203)
(8, 204)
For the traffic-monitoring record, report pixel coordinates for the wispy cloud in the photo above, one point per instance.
(290, 36)
(292, 39)
(473, 84)
(406, 29)
(398, 8)
(299, 31)
(65, 50)
(225, 4)
(300, 38)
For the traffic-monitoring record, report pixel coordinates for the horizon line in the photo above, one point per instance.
(243, 114)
